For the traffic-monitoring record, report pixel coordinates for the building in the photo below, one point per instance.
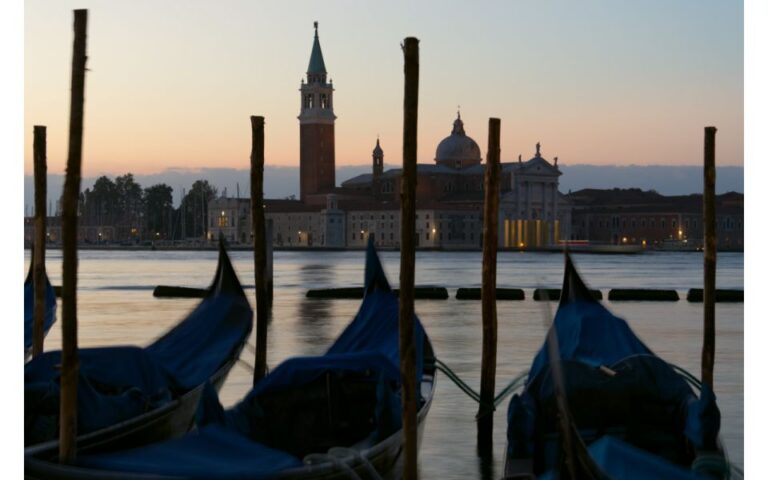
(636, 217)
(317, 157)
(449, 193)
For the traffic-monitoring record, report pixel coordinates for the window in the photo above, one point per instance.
(323, 100)
(427, 235)
(353, 235)
(308, 101)
(391, 236)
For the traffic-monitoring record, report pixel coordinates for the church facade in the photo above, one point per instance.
(449, 192)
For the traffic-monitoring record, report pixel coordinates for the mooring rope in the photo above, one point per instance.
(505, 392)
(247, 365)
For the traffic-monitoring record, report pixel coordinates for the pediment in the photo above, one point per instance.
(539, 166)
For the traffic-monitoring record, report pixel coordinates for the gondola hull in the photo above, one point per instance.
(599, 404)
(384, 457)
(321, 417)
(169, 421)
(176, 370)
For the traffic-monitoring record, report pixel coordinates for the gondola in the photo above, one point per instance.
(334, 416)
(49, 317)
(599, 404)
(129, 396)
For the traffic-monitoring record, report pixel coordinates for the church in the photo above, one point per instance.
(449, 192)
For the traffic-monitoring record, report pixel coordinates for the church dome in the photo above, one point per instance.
(458, 150)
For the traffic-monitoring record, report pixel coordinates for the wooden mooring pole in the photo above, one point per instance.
(69, 357)
(259, 246)
(488, 293)
(710, 258)
(408, 259)
(38, 247)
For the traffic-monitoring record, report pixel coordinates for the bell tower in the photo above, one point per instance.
(317, 160)
(378, 169)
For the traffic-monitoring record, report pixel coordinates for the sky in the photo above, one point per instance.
(172, 84)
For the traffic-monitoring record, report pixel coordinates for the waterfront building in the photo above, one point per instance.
(449, 192)
(635, 217)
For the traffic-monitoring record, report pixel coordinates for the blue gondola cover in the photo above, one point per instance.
(637, 411)
(118, 383)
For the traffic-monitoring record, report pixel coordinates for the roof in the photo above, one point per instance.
(429, 168)
(636, 200)
(458, 146)
(316, 63)
(362, 179)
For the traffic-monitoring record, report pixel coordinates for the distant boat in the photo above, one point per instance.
(49, 317)
(335, 416)
(129, 396)
(605, 407)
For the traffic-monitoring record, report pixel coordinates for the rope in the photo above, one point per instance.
(342, 451)
(513, 385)
(318, 458)
(247, 365)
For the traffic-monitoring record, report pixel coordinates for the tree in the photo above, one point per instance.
(194, 208)
(99, 203)
(158, 207)
(129, 201)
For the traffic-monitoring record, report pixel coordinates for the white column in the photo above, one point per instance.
(554, 209)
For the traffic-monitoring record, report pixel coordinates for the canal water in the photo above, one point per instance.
(116, 306)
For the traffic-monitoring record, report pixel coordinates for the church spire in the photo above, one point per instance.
(378, 159)
(316, 70)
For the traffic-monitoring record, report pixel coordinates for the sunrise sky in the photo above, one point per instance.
(171, 84)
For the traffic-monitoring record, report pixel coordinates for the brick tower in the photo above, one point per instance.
(317, 160)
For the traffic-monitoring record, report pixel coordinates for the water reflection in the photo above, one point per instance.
(314, 315)
(314, 321)
(485, 464)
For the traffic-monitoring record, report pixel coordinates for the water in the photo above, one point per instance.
(115, 306)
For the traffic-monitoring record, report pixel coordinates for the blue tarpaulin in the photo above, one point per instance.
(121, 382)
(614, 385)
